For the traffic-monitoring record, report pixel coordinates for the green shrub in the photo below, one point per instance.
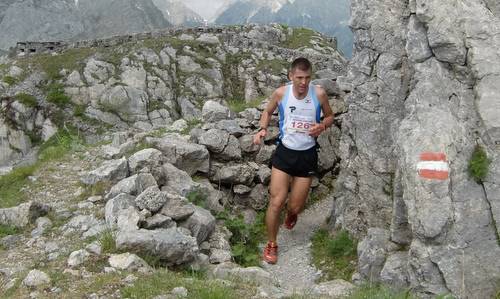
(376, 291)
(197, 197)
(237, 105)
(245, 238)
(301, 37)
(9, 80)
(163, 281)
(79, 110)
(107, 241)
(11, 185)
(336, 257)
(57, 96)
(6, 230)
(59, 145)
(479, 164)
(26, 99)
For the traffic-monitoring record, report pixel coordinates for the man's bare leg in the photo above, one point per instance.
(298, 194)
(278, 190)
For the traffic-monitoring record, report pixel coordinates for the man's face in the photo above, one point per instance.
(300, 79)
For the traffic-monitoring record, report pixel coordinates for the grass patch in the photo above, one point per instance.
(301, 37)
(197, 197)
(163, 281)
(72, 59)
(6, 230)
(191, 124)
(59, 145)
(246, 238)
(381, 292)
(336, 257)
(11, 184)
(9, 80)
(479, 164)
(26, 99)
(275, 66)
(107, 241)
(237, 105)
(57, 96)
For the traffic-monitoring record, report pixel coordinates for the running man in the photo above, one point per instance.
(295, 161)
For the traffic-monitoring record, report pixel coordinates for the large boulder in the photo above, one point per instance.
(201, 224)
(148, 158)
(132, 185)
(115, 206)
(23, 214)
(177, 180)
(215, 140)
(214, 112)
(151, 199)
(187, 156)
(110, 171)
(235, 174)
(169, 245)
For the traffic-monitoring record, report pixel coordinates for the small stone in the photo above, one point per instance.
(94, 248)
(78, 257)
(179, 292)
(95, 199)
(36, 278)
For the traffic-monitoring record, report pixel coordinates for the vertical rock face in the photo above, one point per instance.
(423, 76)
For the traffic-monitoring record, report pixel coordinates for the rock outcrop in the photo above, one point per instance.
(423, 84)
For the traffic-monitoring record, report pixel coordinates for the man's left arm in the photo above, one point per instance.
(319, 128)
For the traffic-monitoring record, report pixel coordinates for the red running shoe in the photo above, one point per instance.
(290, 220)
(270, 254)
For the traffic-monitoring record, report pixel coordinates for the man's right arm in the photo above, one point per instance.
(266, 115)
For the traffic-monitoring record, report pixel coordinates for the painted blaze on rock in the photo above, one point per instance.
(433, 166)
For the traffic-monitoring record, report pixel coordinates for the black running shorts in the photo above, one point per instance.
(296, 163)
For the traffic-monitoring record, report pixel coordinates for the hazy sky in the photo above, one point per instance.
(206, 8)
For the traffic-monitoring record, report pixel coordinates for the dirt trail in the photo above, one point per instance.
(294, 269)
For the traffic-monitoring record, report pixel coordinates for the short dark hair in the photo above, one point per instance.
(302, 64)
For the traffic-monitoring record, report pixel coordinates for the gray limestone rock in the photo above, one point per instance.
(149, 158)
(178, 209)
(232, 151)
(187, 156)
(177, 180)
(151, 199)
(201, 224)
(158, 221)
(235, 174)
(372, 253)
(110, 171)
(251, 274)
(128, 261)
(133, 185)
(395, 271)
(213, 112)
(36, 278)
(23, 214)
(247, 145)
(337, 288)
(265, 153)
(115, 205)
(76, 258)
(215, 140)
(169, 245)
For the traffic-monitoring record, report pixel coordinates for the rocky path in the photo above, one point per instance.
(294, 270)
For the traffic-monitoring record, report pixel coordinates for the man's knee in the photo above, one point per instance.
(296, 205)
(276, 202)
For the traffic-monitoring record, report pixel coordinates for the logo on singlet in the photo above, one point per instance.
(292, 109)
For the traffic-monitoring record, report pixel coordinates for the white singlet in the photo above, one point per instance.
(297, 117)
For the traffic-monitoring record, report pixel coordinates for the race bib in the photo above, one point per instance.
(300, 124)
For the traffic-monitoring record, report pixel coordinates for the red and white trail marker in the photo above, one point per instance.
(433, 166)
